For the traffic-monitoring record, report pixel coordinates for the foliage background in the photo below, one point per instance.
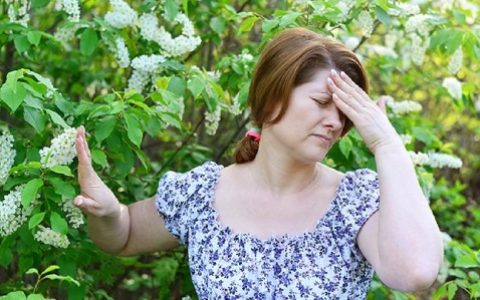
(138, 136)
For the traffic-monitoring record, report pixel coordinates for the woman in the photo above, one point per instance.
(277, 224)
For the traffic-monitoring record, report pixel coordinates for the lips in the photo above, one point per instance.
(323, 137)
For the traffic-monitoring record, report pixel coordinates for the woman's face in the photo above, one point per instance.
(312, 122)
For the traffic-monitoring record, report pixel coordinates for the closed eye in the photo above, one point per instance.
(321, 102)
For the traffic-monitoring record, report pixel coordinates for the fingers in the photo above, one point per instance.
(382, 103)
(347, 90)
(83, 152)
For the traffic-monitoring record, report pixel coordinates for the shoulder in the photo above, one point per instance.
(205, 173)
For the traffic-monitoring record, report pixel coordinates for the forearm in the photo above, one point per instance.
(110, 233)
(409, 239)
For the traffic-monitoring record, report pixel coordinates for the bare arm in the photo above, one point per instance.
(114, 227)
(402, 240)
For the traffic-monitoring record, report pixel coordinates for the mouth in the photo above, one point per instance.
(323, 138)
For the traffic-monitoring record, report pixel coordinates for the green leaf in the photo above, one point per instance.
(217, 24)
(50, 269)
(171, 119)
(382, 15)
(134, 131)
(88, 41)
(12, 79)
(465, 261)
(21, 43)
(30, 191)
(58, 223)
(65, 278)
(34, 37)
(62, 187)
(35, 118)
(35, 297)
(56, 118)
(289, 18)
(25, 262)
(248, 23)
(100, 158)
(104, 128)
(177, 86)
(13, 97)
(196, 86)
(19, 295)
(171, 8)
(460, 16)
(39, 3)
(346, 146)
(452, 290)
(64, 170)
(32, 271)
(35, 220)
(269, 25)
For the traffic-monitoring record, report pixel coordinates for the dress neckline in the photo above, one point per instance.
(273, 239)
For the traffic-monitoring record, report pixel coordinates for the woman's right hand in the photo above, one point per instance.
(96, 198)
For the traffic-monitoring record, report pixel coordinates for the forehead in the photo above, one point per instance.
(318, 82)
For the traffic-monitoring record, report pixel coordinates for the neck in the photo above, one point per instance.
(280, 175)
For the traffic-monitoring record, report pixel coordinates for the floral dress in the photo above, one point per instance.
(324, 263)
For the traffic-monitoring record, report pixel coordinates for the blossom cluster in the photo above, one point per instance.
(441, 160)
(62, 150)
(122, 55)
(122, 15)
(405, 9)
(19, 14)
(365, 22)
(403, 107)
(184, 43)
(7, 156)
(12, 212)
(453, 86)
(406, 138)
(49, 237)
(73, 213)
(72, 8)
(212, 119)
(456, 63)
(418, 158)
(144, 67)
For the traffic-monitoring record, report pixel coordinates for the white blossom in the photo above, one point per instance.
(65, 34)
(456, 62)
(7, 156)
(235, 109)
(418, 24)
(418, 48)
(418, 158)
(72, 8)
(365, 22)
(441, 160)
(122, 54)
(351, 42)
(477, 104)
(147, 63)
(404, 9)
(453, 86)
(12, 212)
(212, 119)
(122, 15)
(73, 213)
(138, 80)
(18, 12)
(148, 26)
(403, 107)
(49, 237)
(406, 138)
(392, 37)
(62, 151)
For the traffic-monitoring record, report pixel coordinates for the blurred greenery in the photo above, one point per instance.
(136, 136)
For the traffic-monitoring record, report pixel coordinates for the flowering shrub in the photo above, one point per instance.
(163, 84)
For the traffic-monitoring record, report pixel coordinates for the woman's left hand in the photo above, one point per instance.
(369, 118)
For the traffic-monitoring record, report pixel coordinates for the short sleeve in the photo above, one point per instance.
(179, 196)
(359, 200)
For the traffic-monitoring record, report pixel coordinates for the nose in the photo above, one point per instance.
(333, 118)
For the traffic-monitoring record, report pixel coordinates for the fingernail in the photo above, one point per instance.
(334, 96)
(330, 81)
(80, 202)
(343, 74)
(334, 73)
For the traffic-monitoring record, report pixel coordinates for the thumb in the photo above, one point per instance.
(382, 103)
(86, 204)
